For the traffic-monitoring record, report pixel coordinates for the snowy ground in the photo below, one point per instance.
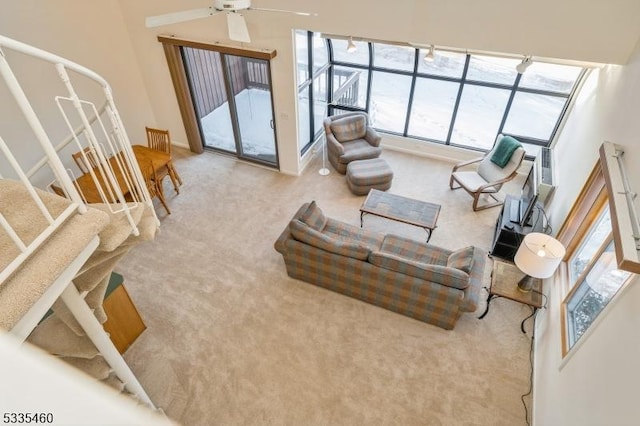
(254, 117)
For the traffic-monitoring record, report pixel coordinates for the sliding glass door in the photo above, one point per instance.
(232, 100)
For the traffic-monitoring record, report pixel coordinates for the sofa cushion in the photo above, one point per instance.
(435, 273)
(415, 250)
(349, 128)
(314, 217)
(306, 234)
(461, 259)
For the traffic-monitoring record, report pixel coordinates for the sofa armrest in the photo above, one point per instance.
(372, 137)
(438, 274)
(333, 145)
(280, 244)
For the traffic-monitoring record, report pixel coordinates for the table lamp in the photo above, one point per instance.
(538, 257)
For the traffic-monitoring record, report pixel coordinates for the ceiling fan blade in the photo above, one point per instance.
(237, 27)
(173, 18)
(283, 11)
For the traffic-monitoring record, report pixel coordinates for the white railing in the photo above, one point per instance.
(117, 177)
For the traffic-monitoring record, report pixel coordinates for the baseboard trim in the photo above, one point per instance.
(181, 145)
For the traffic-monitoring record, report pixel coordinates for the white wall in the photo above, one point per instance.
(599, 31)
(90, 33)
(598, 383)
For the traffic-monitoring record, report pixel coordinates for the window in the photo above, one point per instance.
(389, 101)
(432, 108)
(457, 99)
(312, 64)
(594, 279)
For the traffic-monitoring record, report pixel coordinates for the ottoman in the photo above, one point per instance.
(363, 175)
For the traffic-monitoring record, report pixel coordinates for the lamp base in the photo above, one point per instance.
(526, 284)
(324, 171)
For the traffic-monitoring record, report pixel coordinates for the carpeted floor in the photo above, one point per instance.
(232, 340)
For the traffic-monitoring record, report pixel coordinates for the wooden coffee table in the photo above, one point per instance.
(401, 209)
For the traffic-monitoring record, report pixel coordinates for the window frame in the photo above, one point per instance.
(310, 84)
(462, 81)
(583, 216)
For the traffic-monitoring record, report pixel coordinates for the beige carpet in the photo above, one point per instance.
(232, 340)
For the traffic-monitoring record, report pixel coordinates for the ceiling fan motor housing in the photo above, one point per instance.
(231, 5)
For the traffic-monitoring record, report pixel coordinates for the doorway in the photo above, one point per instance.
(232, 100)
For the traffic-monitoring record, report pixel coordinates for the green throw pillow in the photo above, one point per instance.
(506, 147)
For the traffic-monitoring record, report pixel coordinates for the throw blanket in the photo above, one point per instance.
(506, 147)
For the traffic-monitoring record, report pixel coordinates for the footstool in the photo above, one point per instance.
(363, 175)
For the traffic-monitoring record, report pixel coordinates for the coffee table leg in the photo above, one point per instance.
(429, 232)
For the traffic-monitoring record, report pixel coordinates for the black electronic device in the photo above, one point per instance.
(520, 212)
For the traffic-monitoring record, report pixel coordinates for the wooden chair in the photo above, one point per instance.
(488, 178)
(153, 184)
(161, 141)
(91, 161)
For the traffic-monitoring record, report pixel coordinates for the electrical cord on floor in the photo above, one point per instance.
(523, 396)
(544, 305)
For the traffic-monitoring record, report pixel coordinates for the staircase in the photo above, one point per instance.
(57, 252)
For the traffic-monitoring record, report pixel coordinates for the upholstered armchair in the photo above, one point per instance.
(497, 167)
(349, 138)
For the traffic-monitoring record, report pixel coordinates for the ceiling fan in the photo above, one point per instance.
(235, 21)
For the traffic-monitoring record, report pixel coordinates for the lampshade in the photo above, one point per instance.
(351, 47)
(539, 255)
(522, 66)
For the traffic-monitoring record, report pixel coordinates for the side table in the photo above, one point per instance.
(504, 283)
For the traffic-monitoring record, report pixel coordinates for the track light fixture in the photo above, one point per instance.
(429, 56)
(522, 66)
(351, 47)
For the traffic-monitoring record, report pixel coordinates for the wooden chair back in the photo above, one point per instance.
(88, 164)
(159, 139)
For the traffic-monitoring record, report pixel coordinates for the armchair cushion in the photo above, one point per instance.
(349, 128)
(461, 259)
(450, 277)
(314, 217)
(304, 233)
(505, 149)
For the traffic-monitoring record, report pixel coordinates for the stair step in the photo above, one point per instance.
(119, 228)
(25, 287)
(24, 216)
(53, 336)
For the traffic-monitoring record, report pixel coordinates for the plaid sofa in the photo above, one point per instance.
(419, 280)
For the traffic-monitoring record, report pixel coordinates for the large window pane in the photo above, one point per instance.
(304, 125)
(389, 100)
(393, 57)
(350, 86)
(433, 103)
(479, 116)
(492, 70)
(594, 293)
(302, 56)
(445, 64)
(534, 115)
(320, 54)
(589, 247)
(360, 56)
(552, 77)
(320, 94)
